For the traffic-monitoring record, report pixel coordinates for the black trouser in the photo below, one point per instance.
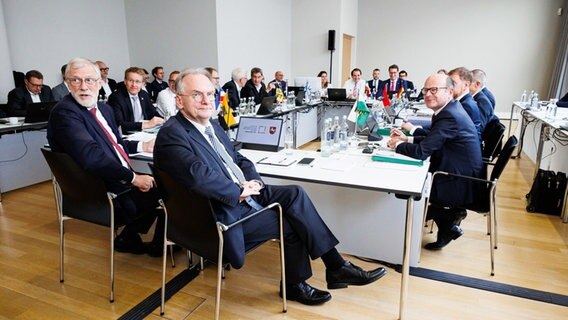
(445, 218)
(137, 210)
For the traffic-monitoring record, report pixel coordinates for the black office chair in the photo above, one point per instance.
(3, 110)
(492, 140)
(83, 196)
(485, 194)
(192, 224)
(19, 78)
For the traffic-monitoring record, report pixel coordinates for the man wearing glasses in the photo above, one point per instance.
(200, 156)
(86, 131)
(33, 91)
(452, 144)
(108, 84)
(133, 110)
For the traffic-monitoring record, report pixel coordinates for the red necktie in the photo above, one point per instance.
(116, 146)
(392, 85)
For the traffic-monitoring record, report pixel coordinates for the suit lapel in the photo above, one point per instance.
(98, 130)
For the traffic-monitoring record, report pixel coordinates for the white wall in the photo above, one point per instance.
(44, 35)
(254, 33)
(6, 79)
(514, 41)
(174, 34)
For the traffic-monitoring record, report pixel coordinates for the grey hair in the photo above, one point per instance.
(180, 86)
(238, 73)
(77, 63)
(479, 75)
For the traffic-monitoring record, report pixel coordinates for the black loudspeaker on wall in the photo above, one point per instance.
(331, 40)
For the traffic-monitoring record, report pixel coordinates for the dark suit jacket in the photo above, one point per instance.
(123, 113)
(73, 130)
(470, 106)
(59, 91)
(155, 87)
(490, 96)
(233, 92)
(113, 86)
(485, 109)
(204, 172)
(376, 87)
(409, 85)
(453, 146)
(20, 97)
(387, 84)
(249, 90)
(282, 86)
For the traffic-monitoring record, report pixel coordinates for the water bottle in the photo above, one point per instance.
(289, 141)
(336, 138)
(524, 97)
(551, 109)
(251, 105)
(530, 99)
(534, 102)
(325, 147)
(291, 100)
(343, 141)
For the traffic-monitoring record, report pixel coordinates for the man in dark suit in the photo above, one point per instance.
(108, 85)
(33, 91)
(375, 82)
(233, 87)
(453, 146)
(484, 104)
(158, 84)
(255, 87)
(393, 84)
(462, 78)
(60, 90)
(482, 77)
(200, 156)
(278, 82)
(133, 110)
(86, 131)
(409, 84)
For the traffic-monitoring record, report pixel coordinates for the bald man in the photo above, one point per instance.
(452, 144)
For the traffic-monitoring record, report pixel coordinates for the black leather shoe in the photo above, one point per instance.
(154, 250)
(129, 244)
(445, 238)
(306, 294)
(350, 274)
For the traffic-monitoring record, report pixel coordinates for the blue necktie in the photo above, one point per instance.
(237, 172)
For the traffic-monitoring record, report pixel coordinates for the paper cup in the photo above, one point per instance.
(13, 120)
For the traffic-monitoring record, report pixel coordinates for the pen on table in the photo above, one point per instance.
(259, 161)
(282, 160)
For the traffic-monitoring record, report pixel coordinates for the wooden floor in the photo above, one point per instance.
(533, 253)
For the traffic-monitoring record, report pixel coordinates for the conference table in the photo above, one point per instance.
(549, 130)
(21, 162)
(358, 198)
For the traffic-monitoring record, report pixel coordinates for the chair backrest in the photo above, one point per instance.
(84, 195)
(504, 157)
(191, 220)
(3, 110)
(492, 136)
(18, 78)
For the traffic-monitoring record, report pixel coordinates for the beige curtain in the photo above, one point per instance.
(559, 81)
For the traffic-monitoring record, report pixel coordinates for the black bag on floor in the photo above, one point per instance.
(547, 193)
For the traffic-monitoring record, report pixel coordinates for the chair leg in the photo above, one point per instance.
(494, 207)
(282, 264)
(163, 293)
(219, 274)
(172, 255)
(61, 249)
(112, 236)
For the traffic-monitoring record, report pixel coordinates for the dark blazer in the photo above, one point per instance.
(249, 90)
(233, 92)
(453, 146)
(123, 113)
(374, 87)
(71, 129)
(409, 85)
(59, 91)
(485, 109)
(183, 152)
(387, 84)
(20, 97)
(155, 87)
(490, 96)
(113, 86)
(470, 106)
(282, 86)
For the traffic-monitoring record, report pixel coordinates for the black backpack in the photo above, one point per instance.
(547, 193)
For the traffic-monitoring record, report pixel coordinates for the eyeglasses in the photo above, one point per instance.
(133, 81)
(87, 81)
(104, 69)
(199, 96)
(432, 90)
(39, 85)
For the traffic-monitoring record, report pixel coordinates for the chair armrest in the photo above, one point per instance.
(270, 206)
(461, 177)
(116, 195)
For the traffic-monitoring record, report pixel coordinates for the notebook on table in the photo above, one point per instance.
(336, 94)
(38, 112)
(267, 105)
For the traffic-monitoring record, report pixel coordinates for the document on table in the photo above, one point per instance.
(141, 136)
(278, 160)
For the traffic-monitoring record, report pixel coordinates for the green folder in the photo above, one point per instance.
(394, 159)
(386, 132)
